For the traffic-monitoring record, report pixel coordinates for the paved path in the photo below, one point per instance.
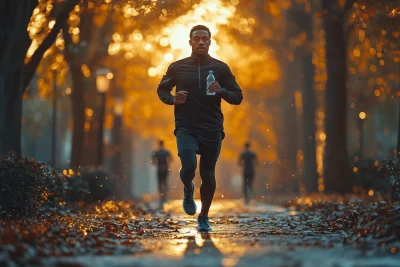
(256, 235)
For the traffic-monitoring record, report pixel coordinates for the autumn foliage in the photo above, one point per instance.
(392, 165)
(22, 183)
(110, 228)
(367, 225)
(28, 185)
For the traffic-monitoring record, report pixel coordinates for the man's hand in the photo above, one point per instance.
(180, 97)
(214, 87)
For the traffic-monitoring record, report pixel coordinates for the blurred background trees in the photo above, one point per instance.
(320, 81)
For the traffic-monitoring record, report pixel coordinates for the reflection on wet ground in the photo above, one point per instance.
(225, 207)
(197, 245)
(227, 218)
(242, 236)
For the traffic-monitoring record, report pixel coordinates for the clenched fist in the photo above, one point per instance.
(180, 97)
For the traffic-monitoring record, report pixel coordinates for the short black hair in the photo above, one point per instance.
(199, 28)
(161, 142)
(247, 144)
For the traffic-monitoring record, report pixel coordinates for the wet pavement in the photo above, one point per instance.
(258, 234)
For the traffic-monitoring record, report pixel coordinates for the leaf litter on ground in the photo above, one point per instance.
(116, 228)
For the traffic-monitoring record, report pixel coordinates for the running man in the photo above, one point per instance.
(198, 116)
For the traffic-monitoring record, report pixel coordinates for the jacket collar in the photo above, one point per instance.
(202, 58)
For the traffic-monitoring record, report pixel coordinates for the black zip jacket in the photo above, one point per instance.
(201, 115)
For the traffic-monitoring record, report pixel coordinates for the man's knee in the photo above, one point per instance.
(188, 172)
(208, 177)
(207, 174)
(188, 160)
(209, 183)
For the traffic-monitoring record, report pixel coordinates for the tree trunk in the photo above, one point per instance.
(76, 55)
(91, 136)
(78, 114)
(288, 145)
(100, 139)
(11, 114)
(310, 175)
(126, 178)
(398, 129)
(287, 149)
(14, 43)
(117, 159)
(336, 170)
(309, 108)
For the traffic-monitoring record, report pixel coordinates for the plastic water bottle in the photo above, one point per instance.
(210, 79)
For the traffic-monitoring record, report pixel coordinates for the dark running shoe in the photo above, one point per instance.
(203, 224)
(189, 206)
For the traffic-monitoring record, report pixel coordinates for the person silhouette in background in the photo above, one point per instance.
(248, 160)
(162, 158)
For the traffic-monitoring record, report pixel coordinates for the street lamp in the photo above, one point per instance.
(118, 108)
(362, 115)
(54, 68)
(117, 137)
(103, 77)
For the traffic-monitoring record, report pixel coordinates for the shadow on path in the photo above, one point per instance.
(207, 249)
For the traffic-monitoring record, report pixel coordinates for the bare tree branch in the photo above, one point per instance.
(61, 20)
(17, 16)
(105, 32)
(349, 5)
(86, 26)
(68, 44)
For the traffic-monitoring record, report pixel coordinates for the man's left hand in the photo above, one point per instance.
(214, 87)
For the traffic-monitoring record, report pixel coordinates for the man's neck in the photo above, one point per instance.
(199, 56)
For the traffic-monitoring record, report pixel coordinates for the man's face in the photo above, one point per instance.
(200, 42)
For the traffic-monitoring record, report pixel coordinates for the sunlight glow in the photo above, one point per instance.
(206, 13)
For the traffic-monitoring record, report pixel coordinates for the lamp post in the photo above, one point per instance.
(362, 115)
(117, 137)
(103, 77)
(54, 67)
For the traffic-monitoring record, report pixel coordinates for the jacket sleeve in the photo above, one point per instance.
(165, 87)
(230, 90)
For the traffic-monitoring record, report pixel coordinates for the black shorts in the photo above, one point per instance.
(185, 140)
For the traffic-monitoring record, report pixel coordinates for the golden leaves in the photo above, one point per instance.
(395, 12)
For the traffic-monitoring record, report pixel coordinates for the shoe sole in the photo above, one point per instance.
(204, 230)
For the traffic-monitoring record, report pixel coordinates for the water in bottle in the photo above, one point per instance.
(210, 78)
